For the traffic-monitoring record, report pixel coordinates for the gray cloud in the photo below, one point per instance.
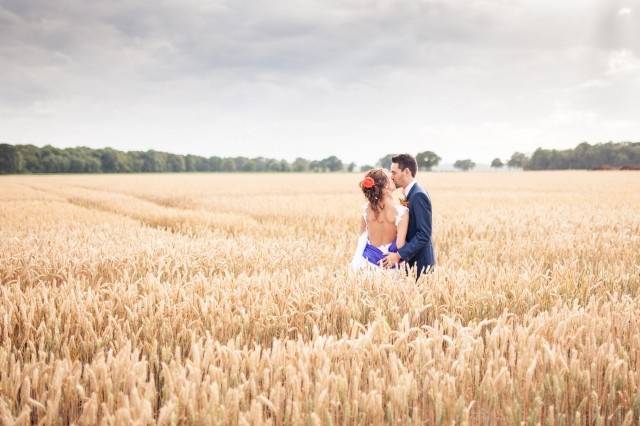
(320, 77)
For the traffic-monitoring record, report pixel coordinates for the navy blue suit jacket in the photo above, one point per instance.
(418, 250)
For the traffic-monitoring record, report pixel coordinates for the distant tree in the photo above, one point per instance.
(332, 164)
(11, 160)
(351, 167)
(83, 160)
(55, 163)
(273, 165)
(228, 165)
(76, 164)
(240, 162)
(427, 160)
(300, 165)
(583, 154)
(497, 163)
(135, 161)
(54, 160)
(464, 165)
(190, 162)
(204, 164)
(385, 161)
(518, 160)
(175, 163)
(249, 166)
(195, 163)
(93, 165)
(215, 164)
(152, 161)
(316, 166)
(261, 164)
(31, 157)
(285, 166)
(365, 168)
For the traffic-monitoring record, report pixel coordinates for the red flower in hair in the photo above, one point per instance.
(368, 182)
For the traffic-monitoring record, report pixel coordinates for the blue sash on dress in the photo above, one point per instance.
(374, 255)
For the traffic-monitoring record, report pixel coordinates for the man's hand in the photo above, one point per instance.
(391, 260)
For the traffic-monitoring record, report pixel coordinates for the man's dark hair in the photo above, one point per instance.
(406, 161)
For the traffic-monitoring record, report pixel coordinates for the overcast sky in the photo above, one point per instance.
(358, 79)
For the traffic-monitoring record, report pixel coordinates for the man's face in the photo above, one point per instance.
(398, 176)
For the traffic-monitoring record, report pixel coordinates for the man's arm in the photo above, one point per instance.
(422, 207)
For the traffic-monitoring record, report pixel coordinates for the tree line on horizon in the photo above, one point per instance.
(49, 159)
(600, 156)
(17, 159)
(610, 155)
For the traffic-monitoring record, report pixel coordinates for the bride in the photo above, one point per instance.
(384, 224)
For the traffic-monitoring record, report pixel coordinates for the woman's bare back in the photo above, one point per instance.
(382, 228)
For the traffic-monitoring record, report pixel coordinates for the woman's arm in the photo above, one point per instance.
(403, 226)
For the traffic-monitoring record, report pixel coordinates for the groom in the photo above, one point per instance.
(418, 250)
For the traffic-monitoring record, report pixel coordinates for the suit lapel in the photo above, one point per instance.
(413, 189)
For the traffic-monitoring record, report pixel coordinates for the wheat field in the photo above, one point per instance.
(227, 299)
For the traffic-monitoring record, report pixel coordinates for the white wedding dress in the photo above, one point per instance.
(365, 252)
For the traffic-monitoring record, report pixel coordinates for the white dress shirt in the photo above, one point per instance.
(407, 189)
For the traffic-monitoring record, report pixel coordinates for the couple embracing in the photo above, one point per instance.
(395, 235)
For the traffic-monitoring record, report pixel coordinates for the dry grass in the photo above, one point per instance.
(217, 299)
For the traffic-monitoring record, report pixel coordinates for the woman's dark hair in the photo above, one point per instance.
(406, 161)
(375, 194)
